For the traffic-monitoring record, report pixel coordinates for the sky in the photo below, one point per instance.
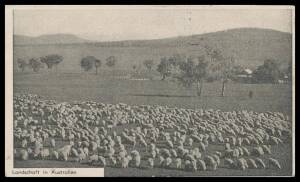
(129, 23)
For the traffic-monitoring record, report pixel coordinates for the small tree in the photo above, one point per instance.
(164, 68)
(148, 64)
(87, 63)
(111, 61)
(52, 60)
(220, 68)
(192, 73)
(97, 65)
(21, 64)
(269, 72)
(35, 64)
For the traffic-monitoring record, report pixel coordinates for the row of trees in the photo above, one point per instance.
(191, 70)
(88, 62)
(213, 65)
(36, 64)
(270, 72)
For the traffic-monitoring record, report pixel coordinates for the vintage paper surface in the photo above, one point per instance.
(95, 91)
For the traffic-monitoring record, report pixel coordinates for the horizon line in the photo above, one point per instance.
(99, 41)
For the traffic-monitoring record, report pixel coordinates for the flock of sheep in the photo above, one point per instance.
(120, 135)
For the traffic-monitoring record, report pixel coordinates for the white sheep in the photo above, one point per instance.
(102, 161)
(274, 163)
(246, 151)
(24, 154)
(266, 149)
(229, 162)
(150, 163)
(252, 164)
(55, 155)
(241, 164)
(258, 151)
(161, 160)
(260, 163)
(45, 153)
(201, 165)
(178, 163)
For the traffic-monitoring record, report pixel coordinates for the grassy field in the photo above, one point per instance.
(83, 87)
(102, 88)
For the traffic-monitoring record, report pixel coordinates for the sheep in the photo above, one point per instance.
(260, 163)
(218, 153)
(210, 161)
(102, 161)
(275, 140)
(266, 149)
(93, 159)
(136, 159)
(217, 159)
(246, 151)
(112, 160)
(52, 142)
(161, 160)
(124, 161)
(241, 164)
(229, 162)
(239, 141)
(178, 163)
(227, 146)
(167, 162)
(201, 165)
(74, 152)
(45, 153)
(252, 164)
(274, 163)
(24, 154)
(258, 151)
(190, 142)
(150, 163)
(55, 155)
(202, 147)
(24, 143)
(188, 166)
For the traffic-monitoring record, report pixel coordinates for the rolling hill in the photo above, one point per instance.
(251, 46)
(48, 39)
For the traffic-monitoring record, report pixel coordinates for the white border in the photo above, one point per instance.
(90, 172)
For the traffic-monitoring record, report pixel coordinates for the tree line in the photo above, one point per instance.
(36, 64)
(187, 70)
(213, 65)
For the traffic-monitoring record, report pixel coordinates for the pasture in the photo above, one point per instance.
(69, 87)
(106, 89)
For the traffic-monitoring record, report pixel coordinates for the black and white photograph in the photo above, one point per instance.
(150, 90)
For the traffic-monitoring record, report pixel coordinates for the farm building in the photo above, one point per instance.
(244, 77)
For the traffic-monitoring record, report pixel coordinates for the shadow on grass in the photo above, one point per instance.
(159, 95)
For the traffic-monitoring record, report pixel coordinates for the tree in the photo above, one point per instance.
(193, 72)
(227, 72)
(220, 67)
(21, 64)
(97, 63)
(148, 64)
(111, 61)
(164, 68)
(87, 63)
(52, 60)
(269, 72)
(35, 64)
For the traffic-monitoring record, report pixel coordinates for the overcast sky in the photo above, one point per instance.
(106, 23)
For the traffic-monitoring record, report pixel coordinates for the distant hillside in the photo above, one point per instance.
(48, 39)
(251, 46)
